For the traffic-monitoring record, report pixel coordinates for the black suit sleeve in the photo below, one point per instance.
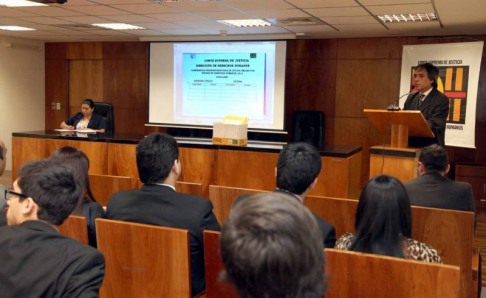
(437, 121)
(209, 221)
(71, 120)
(87, 277)
(330, 238)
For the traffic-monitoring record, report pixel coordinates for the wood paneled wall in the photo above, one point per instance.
(114, 72)
(340, 77)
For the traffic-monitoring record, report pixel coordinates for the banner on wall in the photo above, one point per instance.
(459, 65)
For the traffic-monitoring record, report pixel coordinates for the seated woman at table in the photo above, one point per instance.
(87, 206)
(384, 223)
(86, 119)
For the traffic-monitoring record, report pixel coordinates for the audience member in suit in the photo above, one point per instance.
(271, 246)
(297, 169)
(383, 223)
(433, 189)
(433, 104)
(87, 206)
(36, 260)
(157, 202)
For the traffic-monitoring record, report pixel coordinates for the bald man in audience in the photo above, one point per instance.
(271, 246)
(37, 261)
(157, 202)
(297, 169)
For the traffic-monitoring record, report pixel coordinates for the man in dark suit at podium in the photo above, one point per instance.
(433, 104)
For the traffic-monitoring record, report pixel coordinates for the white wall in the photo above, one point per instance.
(22, 95)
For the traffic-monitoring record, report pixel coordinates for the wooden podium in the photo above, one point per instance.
(397, 159)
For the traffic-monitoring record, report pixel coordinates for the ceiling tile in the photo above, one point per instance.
(176, 17)
(46, 20)
(338, 12)
(85, 20)
(361, 27)
(115, 2)
(349, 20)
(184, 32)
(413, 26)
(266, 30)
(145, 8)
(97, 10)
(197, 6)
(132, 18)
(322, 3)
(158, 25)
(229, 30)
(75, 32)
(257, 4)
(310, 29)
(225, 15)
(392, 2)
(44, 27)
(205, 24)
(11, 12)
(401, 9)
(16, 22)
(148, 33)
(279, 14)
(51, 11)
(74, 2)
(108, 32)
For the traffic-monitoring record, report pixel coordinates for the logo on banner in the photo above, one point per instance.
(453, 82)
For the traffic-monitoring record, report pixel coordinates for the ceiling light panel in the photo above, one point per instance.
(409, 17)
(246, 23)
(15, 28)
(20, 3)
(118, 26)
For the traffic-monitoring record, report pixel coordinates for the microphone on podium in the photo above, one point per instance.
(395, 106)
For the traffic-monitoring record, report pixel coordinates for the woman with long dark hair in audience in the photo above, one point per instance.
(87, 206)
(384, 223)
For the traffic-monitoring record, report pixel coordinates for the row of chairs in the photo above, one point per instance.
(450, 232)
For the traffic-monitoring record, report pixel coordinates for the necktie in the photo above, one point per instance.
(421, 99)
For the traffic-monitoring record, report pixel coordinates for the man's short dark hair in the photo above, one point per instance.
(156, 154)
(298, 166)
(271, 246)
(434, 158)
(52, 186)
(432, 72)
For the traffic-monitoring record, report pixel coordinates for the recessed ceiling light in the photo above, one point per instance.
(246, 23)
(15, 28)
(409, 17)
(118, 26)
(20, 3)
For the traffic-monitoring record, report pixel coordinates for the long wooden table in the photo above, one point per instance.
(252, 166)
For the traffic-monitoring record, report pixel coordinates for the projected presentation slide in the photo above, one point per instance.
(217, 84)
(212, 80)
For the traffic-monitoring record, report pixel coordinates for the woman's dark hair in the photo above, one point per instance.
(79, 162)
(88, 102)
(383, 218)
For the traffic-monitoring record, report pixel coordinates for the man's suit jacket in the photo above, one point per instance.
(37, 261)
(435, 109)
(162, 206)
(327, 230)
(436, 191)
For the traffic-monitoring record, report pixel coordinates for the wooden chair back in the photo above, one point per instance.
(224, 197)
(190, 188)
(104, 186)
(75, 227)
(358, 275)
(215, 288)
(450, 232)
(144, 260)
